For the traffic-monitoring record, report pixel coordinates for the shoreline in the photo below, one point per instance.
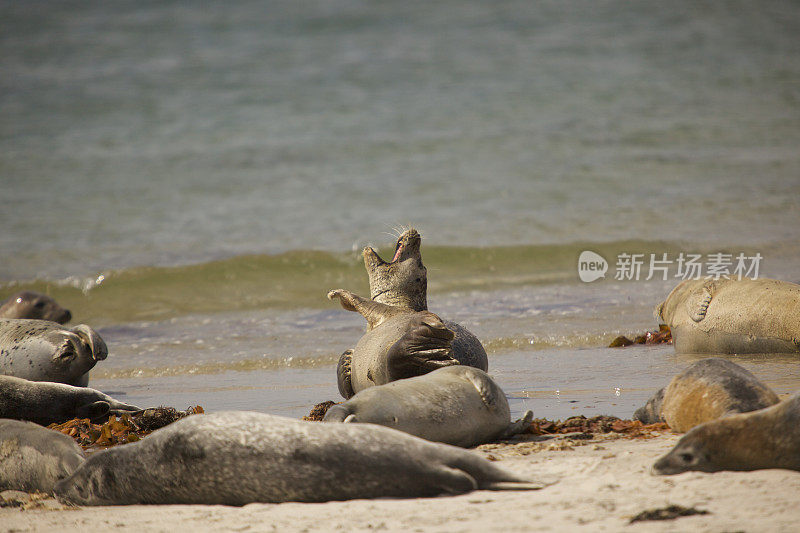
(598, 484)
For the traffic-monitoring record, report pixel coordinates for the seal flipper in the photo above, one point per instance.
(425, 345)
(699, 307)
(520, 426)
(483, 387)
(344, 374)
(374, 312)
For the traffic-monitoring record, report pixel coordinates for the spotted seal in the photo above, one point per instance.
(237, 457)
(29, 304)
(41, 350)
(33, 458)
(457, 405)
(402, 284)
(767, 438)
(730, 316)
(706, 390)
(46, 403)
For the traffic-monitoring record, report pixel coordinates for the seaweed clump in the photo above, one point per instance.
(593, 425)
(123, 429)
(318, 411)
(662, 336)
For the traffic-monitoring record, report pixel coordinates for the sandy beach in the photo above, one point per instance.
(599, 484)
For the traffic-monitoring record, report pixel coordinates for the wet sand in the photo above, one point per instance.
(598, 485)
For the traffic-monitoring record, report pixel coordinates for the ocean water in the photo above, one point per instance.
(190, 179)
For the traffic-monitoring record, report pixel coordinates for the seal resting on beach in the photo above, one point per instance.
(706, 390)
(457, 405)
(41, 350)
(728, 316)
(33, 458)
(400, 343)
(402, 284)
(238, 457)
(29, 304)
(767, 438)
(46, 403)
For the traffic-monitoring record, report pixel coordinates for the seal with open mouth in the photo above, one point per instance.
(398, 291)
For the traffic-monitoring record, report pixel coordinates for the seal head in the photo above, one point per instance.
(403, 281)
(29, 304)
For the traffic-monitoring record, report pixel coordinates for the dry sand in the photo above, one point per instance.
(599, 485)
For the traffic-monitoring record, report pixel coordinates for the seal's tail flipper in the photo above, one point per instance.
(520, 426)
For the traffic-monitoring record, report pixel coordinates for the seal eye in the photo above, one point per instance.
(687, 458)
(39, 304)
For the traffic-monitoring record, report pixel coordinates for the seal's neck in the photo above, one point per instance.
(416, 302)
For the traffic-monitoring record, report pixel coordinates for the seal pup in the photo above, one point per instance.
(767, 438)
(41, 350)
(706, 390)
(457, 405)
(46, 403)
(399, 343)
(239, 457)
(729, 316)
(33, 458)
(29, 304)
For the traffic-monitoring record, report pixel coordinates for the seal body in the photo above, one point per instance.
(29, 304)
(33, 458)
(404, 345)
(706, 390)
(733, 316)
(41, 350)
(403, 282)
(46, 403)
(457, 405)
(767, 438)
(235, 458)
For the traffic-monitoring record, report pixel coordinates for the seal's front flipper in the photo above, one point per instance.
(520, 426)
(374, 312)
(344, 374)
(426, 346)
(699, 302)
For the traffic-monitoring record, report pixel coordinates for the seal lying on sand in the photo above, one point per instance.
(399, 344)
(402, 285)
(47, 403)
(29, 304)
(767, 438)
(706, 390)
(41, 350)
(33, 458)
(237, 457)
(728, 316)
(457, 405)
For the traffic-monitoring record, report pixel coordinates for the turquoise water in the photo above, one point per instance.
(191, 179)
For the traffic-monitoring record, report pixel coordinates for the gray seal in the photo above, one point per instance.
(238, 457)
(767, 438)
(729, 316)
(456, 405)
(41, 350)
(706, 390)
(29, 304)
(33, 458)
(398, 344)
(402, 284)
(46, 403)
